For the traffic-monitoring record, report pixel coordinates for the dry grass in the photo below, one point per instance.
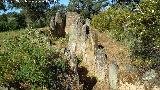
(115, 50)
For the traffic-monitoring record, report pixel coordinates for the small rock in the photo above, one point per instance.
(12, 88)
(3, 88)
(149, 75)
(130, 68)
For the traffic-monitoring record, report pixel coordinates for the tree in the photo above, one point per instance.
(87, 7)
(35, 9)
(125, 1)
(2, 6)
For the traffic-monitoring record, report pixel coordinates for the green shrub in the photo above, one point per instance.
(139, 29)
(28, 60)
(21, 20)
(39, 23)
(12, 22)
(4, 26)
(3, 17)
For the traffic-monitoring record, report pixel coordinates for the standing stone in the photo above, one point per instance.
(113, 76)
(88, 21)
(74, 43)
(101, 62)
(70, 18)
(52, 24)
(57, 25)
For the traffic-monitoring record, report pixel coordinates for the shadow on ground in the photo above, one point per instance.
(88, 82)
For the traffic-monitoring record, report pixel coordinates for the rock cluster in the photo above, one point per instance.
(83, 41)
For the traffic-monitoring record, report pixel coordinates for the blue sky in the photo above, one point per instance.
(65, 2)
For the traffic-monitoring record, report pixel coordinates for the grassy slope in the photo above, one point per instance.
(9, 34)
(26, 46)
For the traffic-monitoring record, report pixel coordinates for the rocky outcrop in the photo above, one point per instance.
(57, 25)
(112, 72)
(83, 42)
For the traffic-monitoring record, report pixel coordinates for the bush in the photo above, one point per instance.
(28, 61)
(4, 26)
(21, 20)
(12, 22)
(138, 28)
(3, 17)
(39, 23)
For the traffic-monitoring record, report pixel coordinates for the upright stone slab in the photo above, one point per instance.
(57, 25)
(88, 22)
(52, 24)
(74, 43)
(70, 18)
(72, 79)
(101, 62)
(113, 76)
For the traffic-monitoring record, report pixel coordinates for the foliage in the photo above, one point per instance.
(35, 9)
(28, 60)
(139, 28)
(3, 17)
(37, 13)
(39, 23)
(12, 21)
(125, 1)
(87, 7)
(2, 6)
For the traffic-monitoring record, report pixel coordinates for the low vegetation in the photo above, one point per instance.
(28, 61)
(135, 24)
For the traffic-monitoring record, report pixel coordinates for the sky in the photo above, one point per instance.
(65, 2)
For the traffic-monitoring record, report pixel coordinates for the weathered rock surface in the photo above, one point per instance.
(130, 68)
(113, 75)
(101, 62)
(70, 18)
(57, 25)
(83, 42)
(74, 36)
(97, 58)
(149, 75)
(73, 82)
